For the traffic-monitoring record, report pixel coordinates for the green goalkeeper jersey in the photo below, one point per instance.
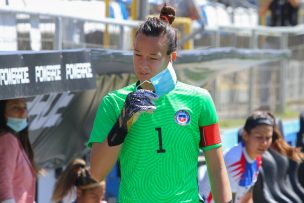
(159, 156)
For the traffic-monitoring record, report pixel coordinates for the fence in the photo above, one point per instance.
(273, 84)
(25, 29)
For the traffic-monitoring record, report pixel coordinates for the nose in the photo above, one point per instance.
(22, 112)
(143, 64)
(264, 141)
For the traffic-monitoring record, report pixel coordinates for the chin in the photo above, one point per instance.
(261, 152)
(141, 78)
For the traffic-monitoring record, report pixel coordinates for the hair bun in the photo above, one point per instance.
(167, 14)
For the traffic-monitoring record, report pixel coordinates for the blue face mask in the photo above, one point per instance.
(16, 124)
(165, 81)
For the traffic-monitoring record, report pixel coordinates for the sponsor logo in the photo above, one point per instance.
(78, 71)
(14, 76)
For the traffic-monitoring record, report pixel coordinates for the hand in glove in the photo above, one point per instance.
(136, 103)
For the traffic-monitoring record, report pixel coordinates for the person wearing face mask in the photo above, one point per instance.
(156, 126)
(18, 174)
(244, 160)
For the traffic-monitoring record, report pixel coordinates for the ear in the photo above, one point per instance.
(245, 136)
(173, 56)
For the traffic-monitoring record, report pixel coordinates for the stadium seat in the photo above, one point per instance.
(239, 135)
(294, 179)
(261, 192)
(253, 16)
(300, 143)
(8, 34)
(301, 174)
(223, 17)
(282, 176)
(241, 17)
(279, 124)
(300, 135)
(270, 175)
(210, 14)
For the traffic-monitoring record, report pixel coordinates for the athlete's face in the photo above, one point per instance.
(150, 56)
(258, 140)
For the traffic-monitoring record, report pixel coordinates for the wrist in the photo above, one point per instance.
(117, 134)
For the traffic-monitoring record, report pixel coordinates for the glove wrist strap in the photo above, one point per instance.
(117, 134)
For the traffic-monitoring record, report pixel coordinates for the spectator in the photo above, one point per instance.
(18, 174)
(280, 178)
(243, 161)
(77, 175)
(280, 145)
(300, 143)
(158, 151)
(300, 135)
(282, 12)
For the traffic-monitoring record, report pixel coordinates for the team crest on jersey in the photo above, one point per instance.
(182, 117)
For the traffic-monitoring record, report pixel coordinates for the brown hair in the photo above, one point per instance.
(258, 118)
(23, 136)
(157, 26)
(281, 146)
(167, 14)
(75, 174)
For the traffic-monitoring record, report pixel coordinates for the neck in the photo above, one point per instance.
(249, 155)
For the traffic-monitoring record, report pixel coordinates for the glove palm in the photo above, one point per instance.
(136, 102)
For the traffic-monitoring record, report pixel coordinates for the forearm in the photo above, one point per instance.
(264, 7)
(103, 158)
(247, 201)
(104, 155)
(247, 198)
(219, 182)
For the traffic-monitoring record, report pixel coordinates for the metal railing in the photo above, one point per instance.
(33, 30)
(275, 85)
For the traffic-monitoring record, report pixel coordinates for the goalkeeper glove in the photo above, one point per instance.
(136, 102)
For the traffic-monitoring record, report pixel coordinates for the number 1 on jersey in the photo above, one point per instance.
(160, 141)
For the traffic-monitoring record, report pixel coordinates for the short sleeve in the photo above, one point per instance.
(105, 118)
(208, 123)
(208, 115)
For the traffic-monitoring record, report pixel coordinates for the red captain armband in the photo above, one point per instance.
(210, 135)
